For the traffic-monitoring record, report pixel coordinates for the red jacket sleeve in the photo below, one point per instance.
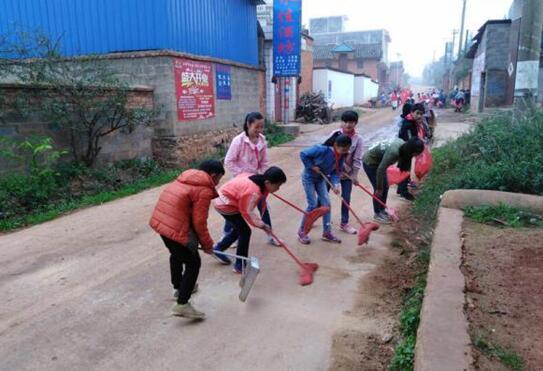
(200, 213)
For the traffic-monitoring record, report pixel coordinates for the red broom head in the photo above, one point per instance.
(365, 231)
(306, 274)
(306, 277)
(312, 216)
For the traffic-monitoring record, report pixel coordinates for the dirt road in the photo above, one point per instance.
(91, 290)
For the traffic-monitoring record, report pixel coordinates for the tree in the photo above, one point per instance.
(80, 95)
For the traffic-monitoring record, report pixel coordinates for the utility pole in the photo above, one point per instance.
(462, 29)
(529, 51)
(454, 41)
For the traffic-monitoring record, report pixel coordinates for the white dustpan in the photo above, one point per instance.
(248, 275)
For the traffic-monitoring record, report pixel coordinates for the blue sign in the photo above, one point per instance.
(224, 84)
(287, 24)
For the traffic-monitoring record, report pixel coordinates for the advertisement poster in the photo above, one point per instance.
(287, 22)
(194, 90)
(224, 87)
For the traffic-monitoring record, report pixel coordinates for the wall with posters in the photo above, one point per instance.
(180, 139)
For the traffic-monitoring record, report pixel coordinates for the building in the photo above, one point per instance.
(354, 52)
(275, 87)
(154, 43)
(344, 89)
(492, 78)
(396, 75)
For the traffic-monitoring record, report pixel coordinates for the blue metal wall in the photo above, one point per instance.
(218, 28)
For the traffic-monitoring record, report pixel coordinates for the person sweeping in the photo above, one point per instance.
(378, 158)
(237, 201)
(351, 165)
(326, 159)
(180, 218)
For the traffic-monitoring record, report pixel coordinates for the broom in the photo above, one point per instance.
(365, 227)
(390, 211)
(306, 274)
(310, 216)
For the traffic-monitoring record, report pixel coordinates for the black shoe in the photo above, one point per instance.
(407, 196)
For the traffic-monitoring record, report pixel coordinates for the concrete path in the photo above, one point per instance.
(91, 290)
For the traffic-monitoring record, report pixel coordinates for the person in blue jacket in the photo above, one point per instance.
(323, 159)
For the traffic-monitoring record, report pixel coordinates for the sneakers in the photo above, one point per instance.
(329, 237)
(347, 228)
(221, 258)
(187, 311)
(273, 242)
(382, 218)
(407, 196)
(238, 266)
(412, 185)
(303, 238)
(176, 292)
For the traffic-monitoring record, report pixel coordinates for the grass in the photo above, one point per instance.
(499, 154)
(67, 203)
(53, 211)
(503, 215)
(508, 358)
(404, 353)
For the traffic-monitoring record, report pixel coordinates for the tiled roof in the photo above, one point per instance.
(372, 51)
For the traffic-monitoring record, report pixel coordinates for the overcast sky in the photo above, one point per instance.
(418, 28)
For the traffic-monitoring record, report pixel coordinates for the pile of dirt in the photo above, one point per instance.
(504, 295)
(380, 297)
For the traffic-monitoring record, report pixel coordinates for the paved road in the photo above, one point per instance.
(91, 290)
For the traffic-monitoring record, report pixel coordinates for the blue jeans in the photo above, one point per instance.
(265, 218)
(346, 190)
(371, 172)
(316, 194)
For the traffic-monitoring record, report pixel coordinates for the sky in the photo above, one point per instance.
(418, 28)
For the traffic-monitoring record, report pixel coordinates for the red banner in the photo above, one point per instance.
(194, 90)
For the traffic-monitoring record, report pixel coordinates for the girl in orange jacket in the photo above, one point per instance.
(238, 199)
(180, 217)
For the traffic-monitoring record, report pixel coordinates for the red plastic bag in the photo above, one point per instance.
(395, 176)
(423, 163)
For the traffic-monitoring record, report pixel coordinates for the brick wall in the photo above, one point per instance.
(307, 68)
(155, 69)
(120, 145)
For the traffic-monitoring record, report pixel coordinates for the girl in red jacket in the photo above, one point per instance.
(180, 217)
(238, 199)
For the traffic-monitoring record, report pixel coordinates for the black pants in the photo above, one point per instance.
(371, 172)
(402, 187)
(241, 232)
(184, 267)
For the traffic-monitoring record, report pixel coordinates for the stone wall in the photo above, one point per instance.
(154, 69)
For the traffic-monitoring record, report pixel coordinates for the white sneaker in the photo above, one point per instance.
(187, 311)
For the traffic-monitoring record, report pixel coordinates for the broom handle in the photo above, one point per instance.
(368, 192)
(342, 200)
(288, 251)
(290, 204)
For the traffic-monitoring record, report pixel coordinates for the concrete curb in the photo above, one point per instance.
(443, 341)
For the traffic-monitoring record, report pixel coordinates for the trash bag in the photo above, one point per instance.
(423, 163)
(395, 176)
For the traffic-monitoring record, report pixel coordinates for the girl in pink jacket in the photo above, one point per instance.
(248, 153)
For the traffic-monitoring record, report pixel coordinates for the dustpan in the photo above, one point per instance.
(249, 273)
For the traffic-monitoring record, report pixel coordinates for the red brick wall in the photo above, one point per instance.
(307, 69)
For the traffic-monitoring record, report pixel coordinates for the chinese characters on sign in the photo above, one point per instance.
(194, 90)
(224, 89)
(287, 20)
